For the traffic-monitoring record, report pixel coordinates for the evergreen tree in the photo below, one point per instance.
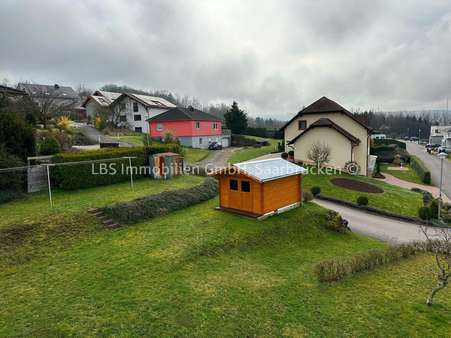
(236, 119)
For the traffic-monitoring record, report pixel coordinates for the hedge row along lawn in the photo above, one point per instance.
(191, 155)
(407, 175)
(394, 199)
(249, 153)
(150, 280)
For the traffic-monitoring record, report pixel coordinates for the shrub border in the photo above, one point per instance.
(376, 211)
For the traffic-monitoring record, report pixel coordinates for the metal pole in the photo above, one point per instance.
(49, 186)
(440, 194)
(131, 172)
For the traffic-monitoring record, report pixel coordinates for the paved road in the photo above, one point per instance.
(432, 162)
(218, 158)
(378, 227)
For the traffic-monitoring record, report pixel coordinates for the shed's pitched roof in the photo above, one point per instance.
(183, 114)
(325, 105)
(56, 91)
(326, 123)
(264, 170)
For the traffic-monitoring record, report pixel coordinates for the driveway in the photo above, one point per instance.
(95, 135)
(218, 158)
(378, 227)
(432, 162)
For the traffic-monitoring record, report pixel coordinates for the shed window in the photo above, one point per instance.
(233, 185)
(135, 107)
(245, 186)
(302, 124)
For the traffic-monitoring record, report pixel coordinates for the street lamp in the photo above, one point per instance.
(442, 157)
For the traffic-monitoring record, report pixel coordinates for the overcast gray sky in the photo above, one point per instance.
(273, 57)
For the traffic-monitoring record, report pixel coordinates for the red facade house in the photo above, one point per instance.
(193, 127)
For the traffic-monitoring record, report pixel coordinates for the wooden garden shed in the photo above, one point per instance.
(260, 188)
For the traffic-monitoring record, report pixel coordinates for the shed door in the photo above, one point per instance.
(240, 194)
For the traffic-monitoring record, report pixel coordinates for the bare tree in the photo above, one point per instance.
(319, 153)
(49, 101)
(440, 244)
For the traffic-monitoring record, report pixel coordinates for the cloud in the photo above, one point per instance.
(272, 57)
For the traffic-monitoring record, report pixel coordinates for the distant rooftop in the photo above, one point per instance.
(55, 90)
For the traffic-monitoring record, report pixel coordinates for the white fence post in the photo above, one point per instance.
(49, 186)
(131, 173)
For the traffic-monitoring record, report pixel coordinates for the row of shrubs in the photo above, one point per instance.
(340, 267)
(388, 153)
(400, 144)
(160, 204)
(86, 175)
(420, 169)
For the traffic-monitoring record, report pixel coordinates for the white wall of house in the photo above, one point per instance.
(361, 152)
(137, 120)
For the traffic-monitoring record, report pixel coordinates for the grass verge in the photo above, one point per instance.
(249, 153)
(407, 175)
(394, 199)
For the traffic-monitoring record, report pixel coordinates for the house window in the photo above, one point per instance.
(302, 124)
(159, 126)
(215, 126)
(137, 117)
(197, 125)
(123, 118)
(200, 140)
(135, 107)
(122, 106)
(138, 129)
(245, 186)
(233, 185)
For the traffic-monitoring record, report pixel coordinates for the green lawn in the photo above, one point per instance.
(36, 206)
(394, 199)
(249, 153)
(193, 155)
(201, 272)
(409, 175)
(135, 140)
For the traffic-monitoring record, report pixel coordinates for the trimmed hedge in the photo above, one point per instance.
(420, 169)
(161, 204)
(79, 176)
(338, 268)
(387, 153)
(387, 141)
